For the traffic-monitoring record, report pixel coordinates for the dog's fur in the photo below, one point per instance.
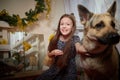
(100, 36)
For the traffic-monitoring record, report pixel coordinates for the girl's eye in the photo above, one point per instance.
(68, 24)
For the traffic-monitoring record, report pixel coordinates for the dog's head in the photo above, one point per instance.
(100, 27)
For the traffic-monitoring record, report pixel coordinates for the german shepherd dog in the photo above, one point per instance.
(101, 62)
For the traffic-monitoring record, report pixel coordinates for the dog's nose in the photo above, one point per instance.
(110, 38)
(113, 38)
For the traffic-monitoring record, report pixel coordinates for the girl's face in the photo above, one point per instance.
(66, 25)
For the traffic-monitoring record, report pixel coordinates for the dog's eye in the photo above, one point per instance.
(100, 25)
(112, 24)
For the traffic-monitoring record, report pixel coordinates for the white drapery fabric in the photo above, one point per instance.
(96, 6)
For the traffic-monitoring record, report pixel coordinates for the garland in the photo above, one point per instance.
(31, 16)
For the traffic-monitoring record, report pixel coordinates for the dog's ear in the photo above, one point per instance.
(112, 9)
(84, 14)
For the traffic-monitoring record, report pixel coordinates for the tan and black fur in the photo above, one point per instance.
(100, 36)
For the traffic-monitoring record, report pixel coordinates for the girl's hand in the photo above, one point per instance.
(57, 52)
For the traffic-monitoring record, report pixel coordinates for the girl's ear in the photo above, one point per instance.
(84, 14)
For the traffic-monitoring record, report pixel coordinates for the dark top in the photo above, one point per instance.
(69, 72)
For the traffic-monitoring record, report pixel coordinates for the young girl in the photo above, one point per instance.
(62, 49)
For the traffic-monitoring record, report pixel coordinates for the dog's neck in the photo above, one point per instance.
(93, 46)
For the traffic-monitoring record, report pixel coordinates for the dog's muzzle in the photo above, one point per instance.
(110, 38)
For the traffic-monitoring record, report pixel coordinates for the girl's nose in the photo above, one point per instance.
(64, 25)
